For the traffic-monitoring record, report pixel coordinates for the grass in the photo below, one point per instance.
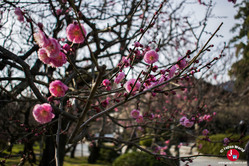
(77, 161)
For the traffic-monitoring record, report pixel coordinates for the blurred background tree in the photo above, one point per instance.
(240, 69)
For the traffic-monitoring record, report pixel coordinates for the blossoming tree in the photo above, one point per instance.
(78, 62)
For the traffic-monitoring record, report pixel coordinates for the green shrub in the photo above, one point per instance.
(214, 148)
(108, 155)
(141, 159)
(146, 141)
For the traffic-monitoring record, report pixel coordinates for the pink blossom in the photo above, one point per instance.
(180, 145)
(43, 56)
(137, 44)
(129, 84)
(165, 147)
(188, 123)
(172, 71)
(182, 120)
(200, 146)
(135, 113)
(181, 63)
(41, 39)
(106, 82)
(140, 119)
(58, 11)
(19, 14)
(53, 48)
(207, 118)
(151, 116)
(205, 132)
(105, 103)
(57, 88)
(162, 152)
(74, 33)
(59, 60)
(151, 56)
(66, 47)
(167, 142)
(43, 113)
(119, 78)
(226, 141)
(126, 62)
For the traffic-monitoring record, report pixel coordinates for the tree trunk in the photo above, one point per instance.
(48, 157)
(94, 155)
(28, 149)
(72, 153)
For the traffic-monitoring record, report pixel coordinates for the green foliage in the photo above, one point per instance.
(140, 159)
(108, 155)
(240, 69)
(216, 145)
(146, 141)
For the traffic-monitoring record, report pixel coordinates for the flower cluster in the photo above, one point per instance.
(107, 84)
(119, 78)
(130, 84)
(136, 115)
(184, 121)
(49, 53)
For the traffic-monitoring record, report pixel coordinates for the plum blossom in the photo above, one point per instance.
(57, 88)
(59, 60)
(188, 123)
(58, 11)
(151, 56)
(53, 48)
(43, 56)
(105, 103)
(200, 146)
(135, 113)
(167, 142)
(226, 141)
(106, 82)
(74, 33)
(140, 119)
(41, 39)
(205, 132)
(172, 71)
(184, 121)
(126, 62)
(129, 84)
(119, 78)
(181, 63)
(43, 113)
(19, 14)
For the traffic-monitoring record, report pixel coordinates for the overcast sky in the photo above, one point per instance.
(224, 12)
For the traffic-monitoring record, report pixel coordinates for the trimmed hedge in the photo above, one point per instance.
(108, 155)
(214, 148)
(140, 159)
